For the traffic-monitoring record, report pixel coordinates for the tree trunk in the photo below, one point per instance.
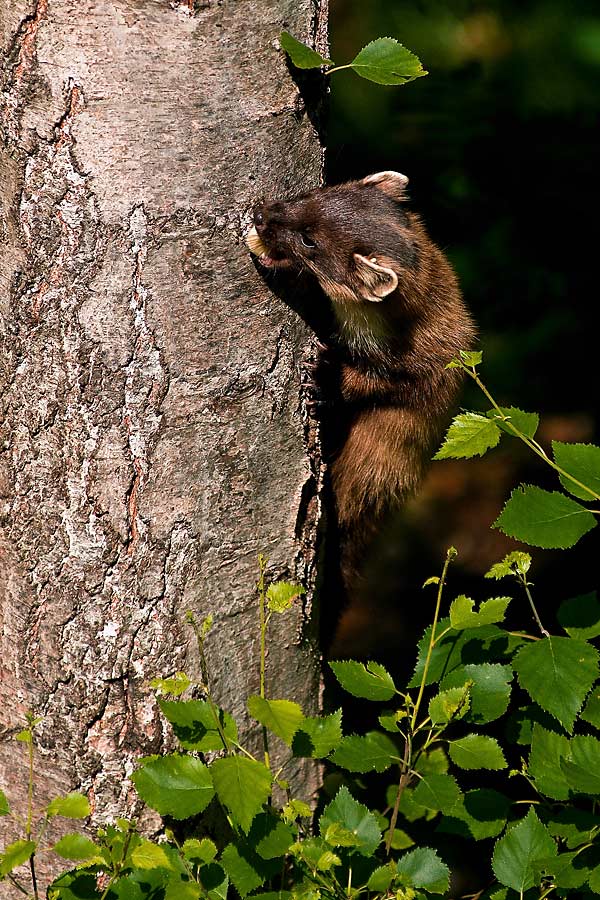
(153, 439)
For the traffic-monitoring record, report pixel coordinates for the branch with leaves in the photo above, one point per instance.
(385, 61)
(548, 519)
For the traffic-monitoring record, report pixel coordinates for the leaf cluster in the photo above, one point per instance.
(547, 519)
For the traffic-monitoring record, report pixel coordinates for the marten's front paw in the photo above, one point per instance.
(316, 399)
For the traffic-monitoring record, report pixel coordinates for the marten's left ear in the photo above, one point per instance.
(376, 281)
(392, 183)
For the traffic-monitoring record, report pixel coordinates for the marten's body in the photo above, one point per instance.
(400, 319)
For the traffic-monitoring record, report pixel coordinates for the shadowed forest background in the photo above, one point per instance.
(500, 142)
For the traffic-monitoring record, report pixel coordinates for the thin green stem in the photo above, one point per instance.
(525, 584)
(29, 822)
(402, 783)
(205, 678)
(338, 69)
(262, 605)
(450, 555)
(533, 445)
(111, 881)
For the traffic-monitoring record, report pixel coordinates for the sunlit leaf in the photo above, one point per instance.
(242, 785)
(177, 786)
(470, 434)
(545, 519)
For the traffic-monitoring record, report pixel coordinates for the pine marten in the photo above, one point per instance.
(399, 319)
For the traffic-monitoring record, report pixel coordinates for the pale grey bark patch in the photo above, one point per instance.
(152, 438)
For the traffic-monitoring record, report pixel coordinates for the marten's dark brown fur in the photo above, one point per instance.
(400, 319)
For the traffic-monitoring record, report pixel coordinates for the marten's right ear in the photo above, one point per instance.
(376, 281)
(391, 183)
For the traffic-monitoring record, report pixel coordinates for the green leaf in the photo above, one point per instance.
(382, 877)
(318, 736)
(15, 855)
(422, 868)
(215, 881)
(437, 792)
(544, 518)
(594, 880)
(582, 769)
(282, 717)
(479, 814)
(372, 752)
(199, 851)
(371, 682)
(456, 649)
(351, 814)
(568, 870)
(4, 807)
(557, 672)
(386, 61)
(516, 562)
(177, 786)
(476, 751)
(73, 806)
(434, 762)
(583, 462)
(242, 785)
(409, 808)
(301, 55)
(470, 434)
(547, 750)
(270, 837)
(471, 358)
(390, 721)
(148, 855)
(517, 853)
(400, 839)
(525, 422)
(175, 685)
(489, 690)
(194, 724)
(574, 826)
(296, 809)
(281, 595)
(77, 846)
(338, 836)
(177, 889)
(82, 886)
(241, 866)
(315, 853)
(490, 612)
(451, 704)
(591, 711)
(580, 616)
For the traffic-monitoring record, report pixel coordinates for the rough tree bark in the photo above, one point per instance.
(153, 439)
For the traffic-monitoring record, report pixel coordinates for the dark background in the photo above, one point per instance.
(500, 143)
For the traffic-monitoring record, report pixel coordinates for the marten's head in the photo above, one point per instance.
(355, 238)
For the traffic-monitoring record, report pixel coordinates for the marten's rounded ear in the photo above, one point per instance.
(392, 183)
(376, 281)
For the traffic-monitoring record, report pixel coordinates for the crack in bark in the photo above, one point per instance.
(24, 47)
(147, 365)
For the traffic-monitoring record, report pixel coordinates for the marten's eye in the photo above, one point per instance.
(307, 241)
